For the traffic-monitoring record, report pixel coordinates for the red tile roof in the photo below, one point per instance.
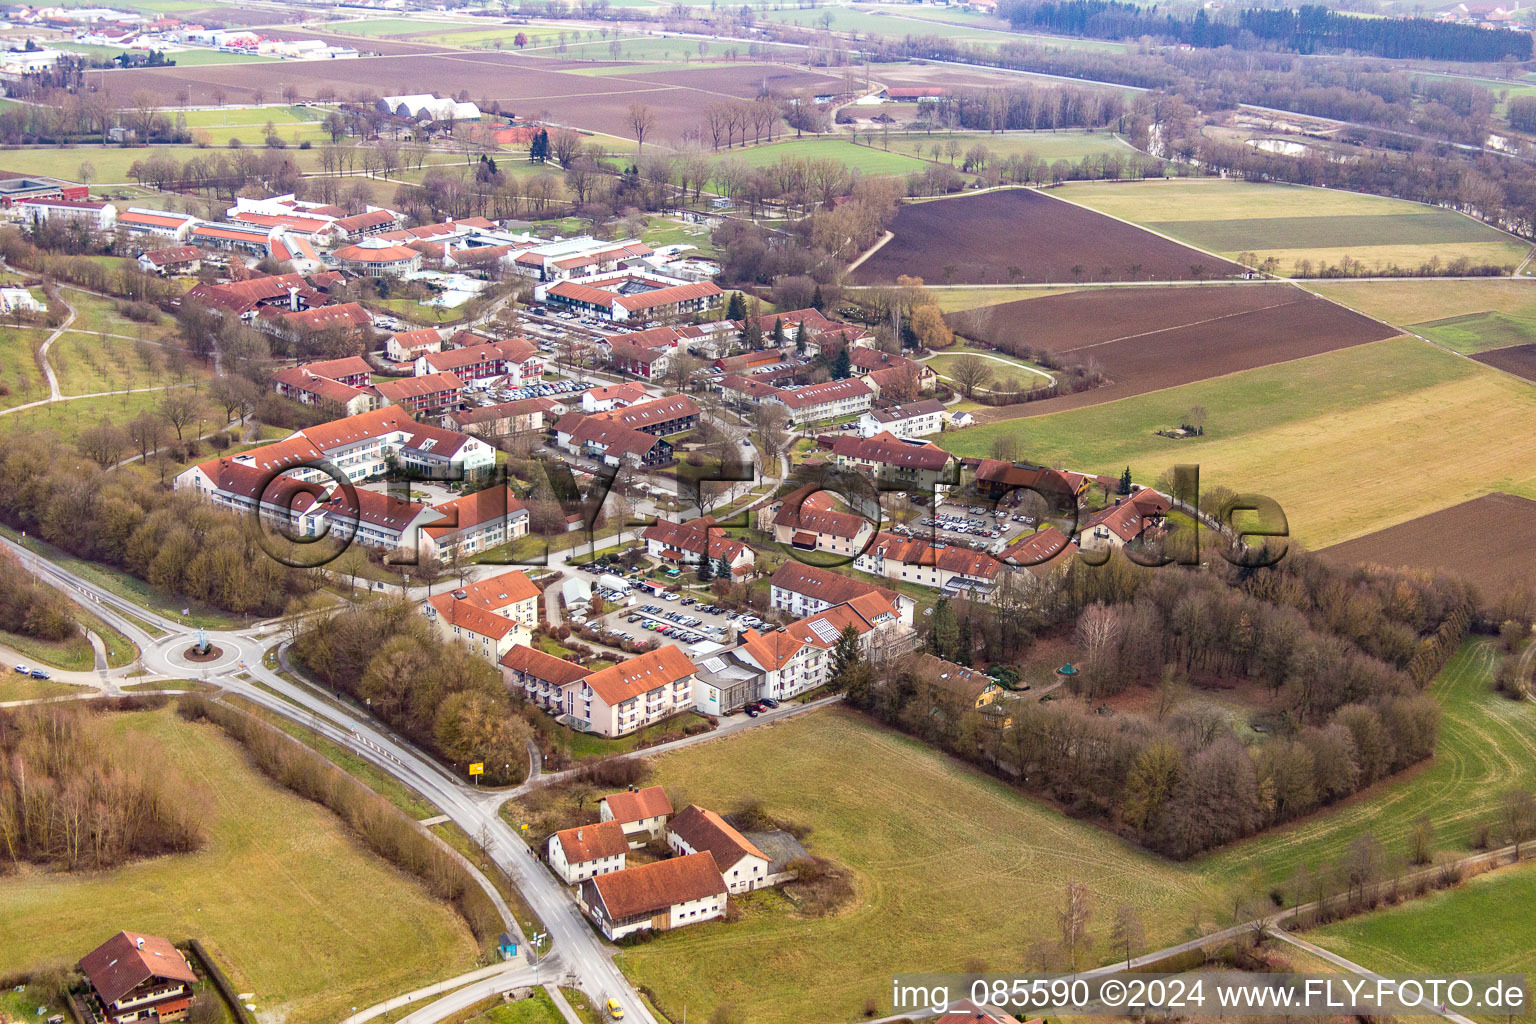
(375, 254)
(824, 584)
(175, 254)
(820, 394)
(637, 805)
(536, 663)
(477, 509)
(592, 842)
(651, 888)
(889, 450)
(468, 615)
(128, 959)
(404, 388)
(707, 832)
(640, 674)
(657, 410)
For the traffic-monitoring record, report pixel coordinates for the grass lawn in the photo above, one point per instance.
(112, 162)
(917, 871)
(1042, 145)
(846, 19)
(999, 363)
(1485, 926)
(938, 852)
(281, 895)
(1292, 222)
(536, 1009)
(69, 417)
(1427, 300)
(1479, 332)
(953, 299)
(1339, 440)
(76, 653)
(865, 159)
(88, 362)
(20, 379)
(17, 687)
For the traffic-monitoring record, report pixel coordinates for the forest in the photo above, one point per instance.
(439, 695)
(1310, 29)
(1344, 657)
(74, 797)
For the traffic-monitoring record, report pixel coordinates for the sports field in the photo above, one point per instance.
(865, 159)
(948, 865)
(281, 895)
(1294, 223)
(1341, 440)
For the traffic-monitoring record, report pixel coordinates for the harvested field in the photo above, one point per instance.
(1519, 360)
(1146, 339)
(977, 240)
(1490, 540)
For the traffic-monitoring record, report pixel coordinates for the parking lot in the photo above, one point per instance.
(973, 526)
(484, 394)
(684, 620)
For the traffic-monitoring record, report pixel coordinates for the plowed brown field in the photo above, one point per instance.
(1490, 540)
(1145, 339)
(1021, 236)
(1519, 360)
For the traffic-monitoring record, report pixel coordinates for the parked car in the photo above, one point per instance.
(751, 711)
(39, 673)
(615, 1010)
(24, 670)
(768, 702)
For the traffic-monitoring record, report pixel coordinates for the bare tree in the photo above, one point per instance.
(970, 374)
(1517, 812)
(180, 408)
(1127, 932)
(1073, 917)
(104, 444)
(641, 123)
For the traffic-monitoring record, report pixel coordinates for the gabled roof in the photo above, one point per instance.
(477, 509)
(657, 410)
(1041, 552)
(1128, 518)
(640, 674)
(889, 450)
(512, 350)
(615, 439)
(629, 393)
(375, 509)
(422, 338)
(592, 842)
(469, 615)
(821, 394)
(810, 509)
(948, 557)
(349, 366)
(706, 831)
(650, 888)
(824, 584)
(875, 359)
(375, 254)
(637, 805)
(995, 471)
(299, 378)
(693, 536)
(966, 683)
(128, 959)
(655, 337)
(403, 388)
(175, 254)
(770, 651)
(348, 314)
(908, 410)
(502, 410)
(155, 219)
(823, 629)
(363, 221)
(536, 663)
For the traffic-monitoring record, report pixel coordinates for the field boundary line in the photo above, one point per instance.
(1151, 231)
(880, 244)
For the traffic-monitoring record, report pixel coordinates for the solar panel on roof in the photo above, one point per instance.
(823, 629)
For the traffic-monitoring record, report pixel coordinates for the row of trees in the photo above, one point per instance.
(32, 608)
(73, 796)
(439, 695)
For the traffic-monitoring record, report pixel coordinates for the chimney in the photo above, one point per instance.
(138, 943)
(578, 835)
(293, 299)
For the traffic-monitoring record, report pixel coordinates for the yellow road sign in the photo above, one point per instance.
(478, 768)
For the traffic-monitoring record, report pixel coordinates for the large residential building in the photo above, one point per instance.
(517, 358)
(458, 619)
(177, 259)
(807, 518)
(433, 392)
(628, 293)
(913, 419)
(576, 854)
(408, 346)
(368, 518)
(948, 568)
(916, 463)
(611, 443)
(801, 590)
(135, 977)
(996, 479)
(523, 416)
(673, 414)
(542, 677)
(633, 694)
(332, 396)
(93, 215)
(1127, 520)
(582, 257)
(156, 224)
(612, 396)
(478, 522)
(664, 895)
(696, 830)
(687, 544)
(832, 400)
